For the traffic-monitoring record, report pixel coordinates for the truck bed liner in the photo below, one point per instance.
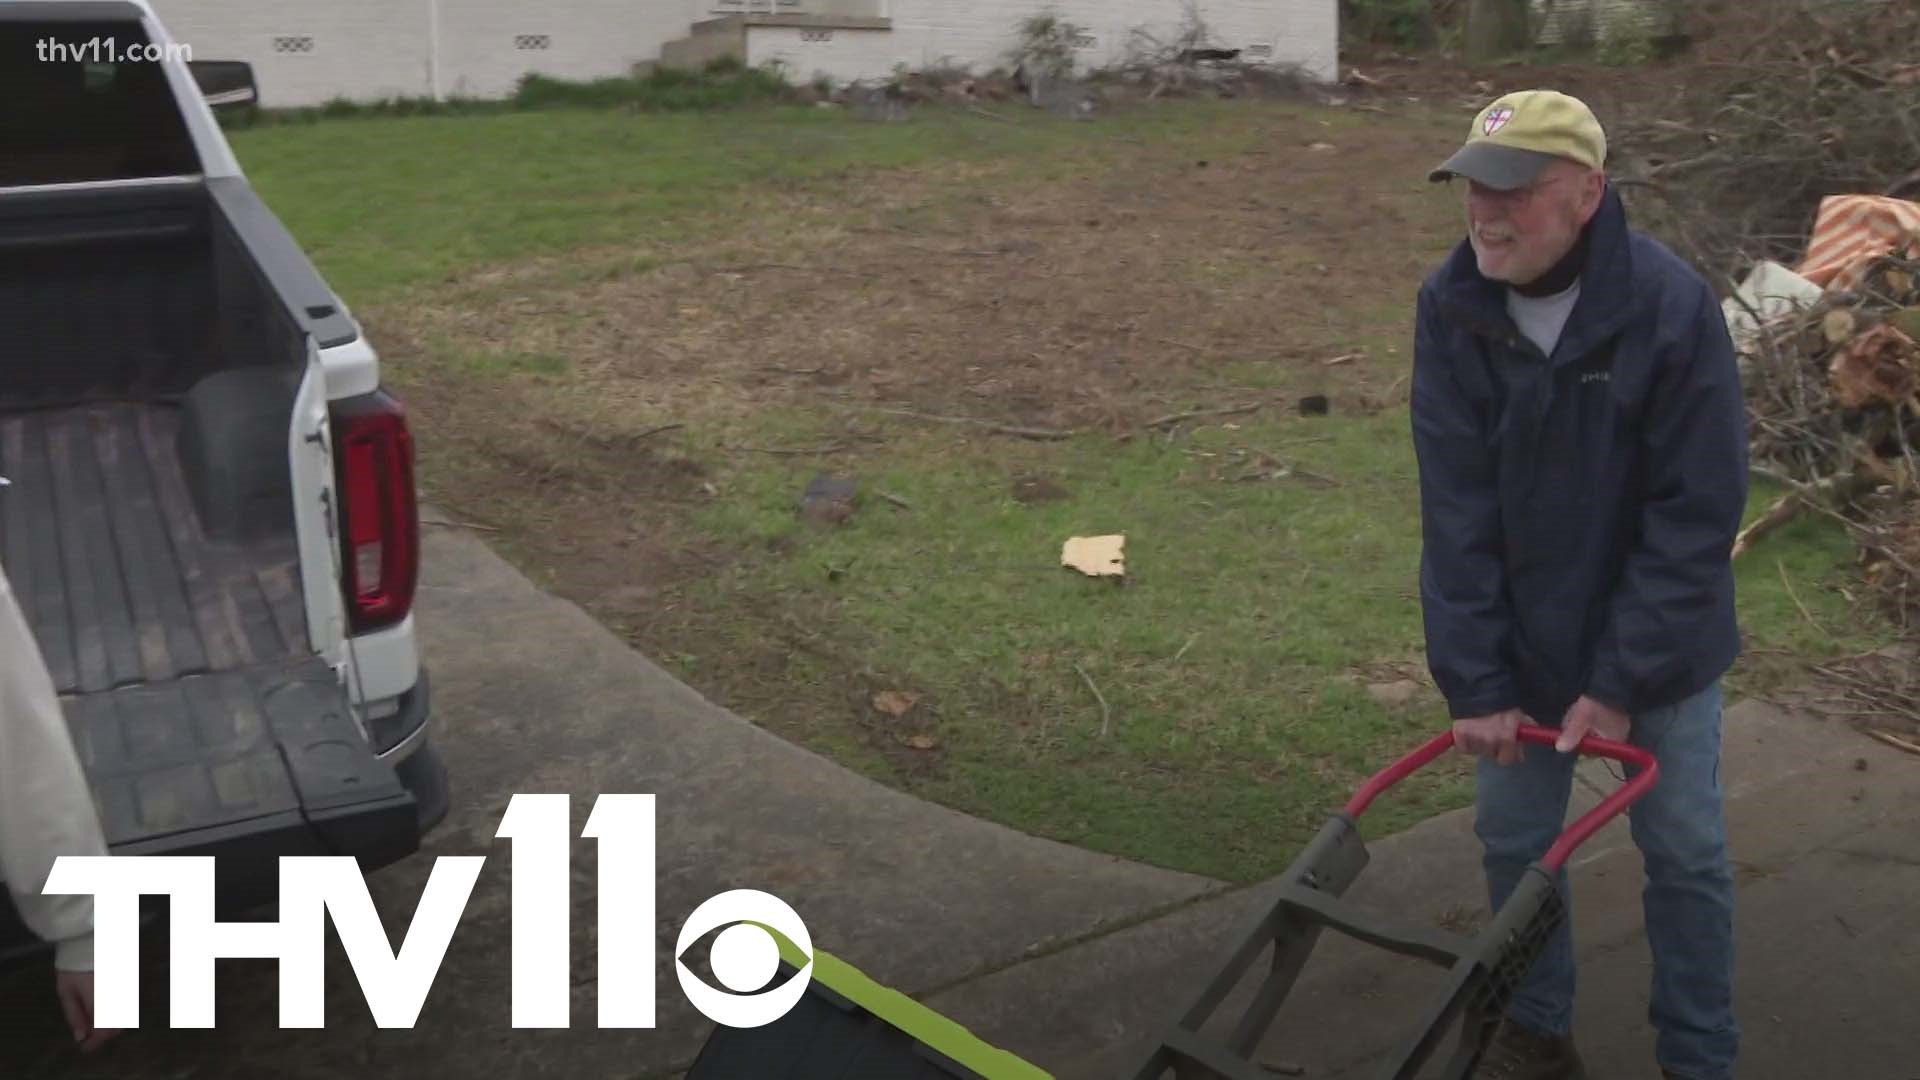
(107, 556)
(199, 712)
(272, 748)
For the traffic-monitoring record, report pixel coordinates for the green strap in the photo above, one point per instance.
(909, 1016)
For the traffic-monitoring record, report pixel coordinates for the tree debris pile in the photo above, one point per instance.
(1881, 690)
(1788, 104)
(1792, 100)
(1136, 79)
(1833, 393)
(1045, 69)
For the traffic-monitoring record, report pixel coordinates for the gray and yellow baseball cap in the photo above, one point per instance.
(1519, 134)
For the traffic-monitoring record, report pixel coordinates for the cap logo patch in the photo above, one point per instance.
(1497, 119)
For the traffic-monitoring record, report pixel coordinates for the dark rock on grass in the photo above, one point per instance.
(1037, 488)
(830, 500)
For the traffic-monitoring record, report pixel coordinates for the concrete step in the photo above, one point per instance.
(710, 40)
(726, 35)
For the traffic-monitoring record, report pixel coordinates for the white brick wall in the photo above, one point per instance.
(366, 49)
(978, 33)
(1601, 20)
(584, 39)
(358, 48)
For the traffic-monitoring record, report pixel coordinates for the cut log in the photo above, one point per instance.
(1785, 509)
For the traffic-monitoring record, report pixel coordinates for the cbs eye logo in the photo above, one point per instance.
(744, 957)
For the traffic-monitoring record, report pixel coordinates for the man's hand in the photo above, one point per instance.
(75, 989)
(1495, 736)
(1588, 715)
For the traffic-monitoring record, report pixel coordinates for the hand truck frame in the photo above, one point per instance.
(1483, 970)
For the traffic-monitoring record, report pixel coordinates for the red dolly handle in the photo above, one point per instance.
(1591, 822)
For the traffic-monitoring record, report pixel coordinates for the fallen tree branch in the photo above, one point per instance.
(1183, 649)
(1880, 700)
(453, 524)
(1784, 509)
(1895, 741)
(606, 442)
(1180, 417)
(750, 267)
(1043, 434)
(651, 432)
(1795, 597)
(1106, 715)
(1182, 344)
(1311, 475)
(783, 451)
(959, 253)
(1883, 698)
(1787, 507)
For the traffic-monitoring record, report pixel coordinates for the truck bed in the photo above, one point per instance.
(161, 326)
(119, 581)
(199, 712)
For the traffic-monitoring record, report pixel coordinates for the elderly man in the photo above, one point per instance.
(45, 811)
(1581, 436)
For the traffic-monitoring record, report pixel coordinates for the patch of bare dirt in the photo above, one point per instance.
(1101, 299)
(1080, 302)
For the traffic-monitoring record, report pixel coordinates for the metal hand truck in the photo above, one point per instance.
(1484, 970)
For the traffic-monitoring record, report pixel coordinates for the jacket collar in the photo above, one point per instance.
(1606, 287)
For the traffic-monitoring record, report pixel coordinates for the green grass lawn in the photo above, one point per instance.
(384, 204)
(1234, 662)
(1222, 659)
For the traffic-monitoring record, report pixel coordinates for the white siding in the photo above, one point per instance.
(978, 34)
(367, 49)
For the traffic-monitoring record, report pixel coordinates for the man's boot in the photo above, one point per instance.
(1520, 1054)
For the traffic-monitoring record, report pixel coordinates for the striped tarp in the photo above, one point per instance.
(1850, 231)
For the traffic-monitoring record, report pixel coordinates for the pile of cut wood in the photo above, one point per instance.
(1833, 391)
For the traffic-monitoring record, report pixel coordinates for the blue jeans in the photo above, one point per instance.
(1680, 829)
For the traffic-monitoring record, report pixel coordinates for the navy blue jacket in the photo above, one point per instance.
(1578, 511)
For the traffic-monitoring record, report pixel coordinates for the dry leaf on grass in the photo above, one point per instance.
(1095, 556)
(921, 742)
(893, 703)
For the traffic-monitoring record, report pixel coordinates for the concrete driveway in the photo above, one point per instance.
(1827, 864)
(533, 696)
(1069, 959)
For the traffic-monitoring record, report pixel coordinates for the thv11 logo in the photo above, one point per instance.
(745, 957)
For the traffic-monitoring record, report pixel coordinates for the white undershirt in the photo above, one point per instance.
(1541, 318)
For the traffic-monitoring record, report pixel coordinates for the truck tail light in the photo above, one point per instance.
(379, 515)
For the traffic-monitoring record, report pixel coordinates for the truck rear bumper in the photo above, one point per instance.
(412, 754)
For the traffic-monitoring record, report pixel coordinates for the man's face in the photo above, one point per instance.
(1518, 235)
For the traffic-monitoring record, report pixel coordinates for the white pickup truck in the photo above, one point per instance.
(208, 514)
